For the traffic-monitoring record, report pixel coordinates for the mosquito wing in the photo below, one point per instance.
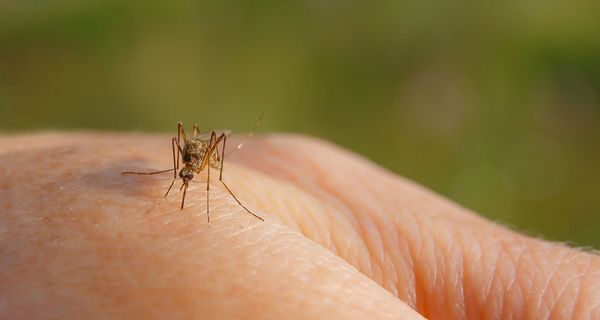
(206, 135)
(231, 149)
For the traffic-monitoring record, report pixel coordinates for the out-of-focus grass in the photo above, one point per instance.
(495, 105)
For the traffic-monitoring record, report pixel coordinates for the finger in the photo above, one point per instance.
(77, 243)
(442, 259)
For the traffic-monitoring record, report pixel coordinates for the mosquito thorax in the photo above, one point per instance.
(193, 151)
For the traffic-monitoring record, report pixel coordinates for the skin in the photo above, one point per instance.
(342, 239)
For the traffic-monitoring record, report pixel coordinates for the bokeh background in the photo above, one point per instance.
(493, 104)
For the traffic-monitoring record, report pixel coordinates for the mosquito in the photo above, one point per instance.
(198, 153)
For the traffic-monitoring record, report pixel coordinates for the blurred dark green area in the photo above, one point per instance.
(493, 104)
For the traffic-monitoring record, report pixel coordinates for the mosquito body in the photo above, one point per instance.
(196, 154)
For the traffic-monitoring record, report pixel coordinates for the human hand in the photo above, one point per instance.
(343, 239)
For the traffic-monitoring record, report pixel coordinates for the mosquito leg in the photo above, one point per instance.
(180, 132)
(223, 182)
(214, 143)
(217, 154)
(168, 190)
(238, 201)
(208, 195)
(222, 158)
(175, 158)
(180, 152)
(213, 137)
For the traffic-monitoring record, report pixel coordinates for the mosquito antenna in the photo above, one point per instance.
(147, 173)
(257, 124)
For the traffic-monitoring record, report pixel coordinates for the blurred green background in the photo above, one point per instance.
(493, 104)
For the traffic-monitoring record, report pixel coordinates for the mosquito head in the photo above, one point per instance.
(186, 174)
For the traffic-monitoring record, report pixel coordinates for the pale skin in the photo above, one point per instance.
(342, 239)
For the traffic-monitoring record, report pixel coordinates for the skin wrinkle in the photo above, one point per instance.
(387, 238)
(542, 295)
(507, 272)
(377, 235)
(394, 260)
(492, 261)
(410, 231)
(432, 282)
(385, 242)
(548, 299)
(542, 301)
(471, 260)
(313, 226)
(437, 276)
(459, 272)
(445, 284)
(404, 273)
(426, 257)
(509, 308)
(415, 252)
(558, 307)
(560, 300)
(382, 258)
(376, 272)
(578, 300)
(510, 270)
(529, 274)
(587, 279)
(571, 289)
(329, 241)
